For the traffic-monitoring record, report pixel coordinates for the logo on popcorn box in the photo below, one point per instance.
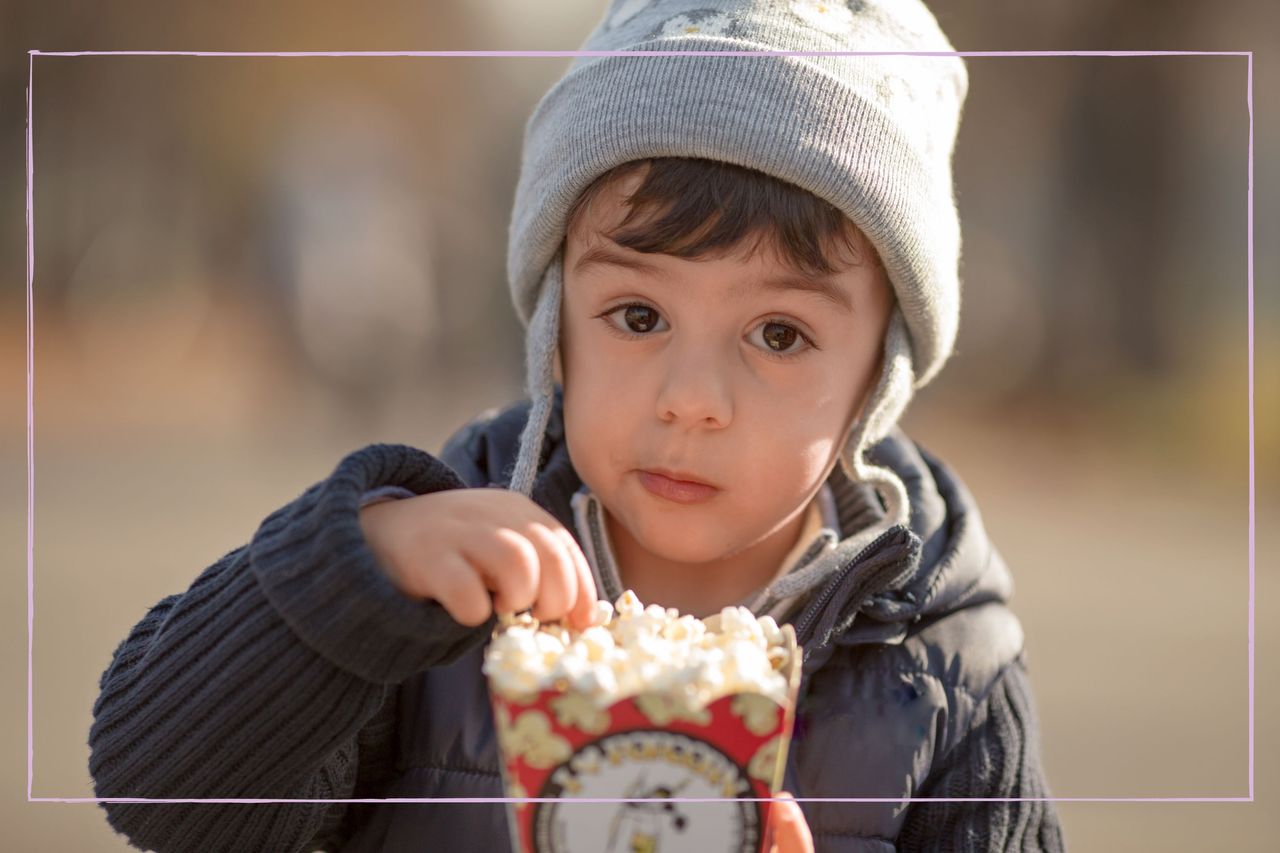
(651, 767)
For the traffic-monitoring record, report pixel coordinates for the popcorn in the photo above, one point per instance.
(634, 649)
(628, 605)
(758, 714)
(604, 613)
(738, 622)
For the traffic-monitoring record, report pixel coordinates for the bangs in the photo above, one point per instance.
(692, 207)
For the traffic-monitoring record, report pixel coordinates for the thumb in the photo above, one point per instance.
(788, 830)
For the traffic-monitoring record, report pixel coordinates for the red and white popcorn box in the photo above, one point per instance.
(572, 741)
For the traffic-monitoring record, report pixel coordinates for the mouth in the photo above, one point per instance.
(679, 486)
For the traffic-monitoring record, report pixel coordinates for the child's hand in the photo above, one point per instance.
(788, 829)
(458, 545)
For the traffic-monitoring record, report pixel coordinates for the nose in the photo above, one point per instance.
(695, 390)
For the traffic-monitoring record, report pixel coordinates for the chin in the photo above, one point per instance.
(664, 539)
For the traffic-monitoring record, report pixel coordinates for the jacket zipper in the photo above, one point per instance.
(811, 615)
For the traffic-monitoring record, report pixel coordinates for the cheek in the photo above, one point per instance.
(579, 444)
(593, 427)
(814, 455)
(582, 352)
(817, 418)
(785, 462)
(598, 399)
(807, 417)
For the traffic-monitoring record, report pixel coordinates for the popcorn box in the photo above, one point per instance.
(561, 743)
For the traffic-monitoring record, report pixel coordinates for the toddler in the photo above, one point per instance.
(734, 272)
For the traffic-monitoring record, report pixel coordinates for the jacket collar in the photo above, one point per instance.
(820, 535)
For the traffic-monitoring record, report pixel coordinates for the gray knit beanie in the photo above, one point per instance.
(871, 134)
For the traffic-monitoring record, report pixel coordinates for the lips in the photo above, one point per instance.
(667, 485)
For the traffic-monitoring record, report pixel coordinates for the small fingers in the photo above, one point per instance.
(558, 576)
(582, 612)
(531, 560)
(509, 565)
(457, 586)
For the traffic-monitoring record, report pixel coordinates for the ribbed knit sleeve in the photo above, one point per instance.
(998, 758)
(271, 676)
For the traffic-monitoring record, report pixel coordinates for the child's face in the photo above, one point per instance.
(700, 389)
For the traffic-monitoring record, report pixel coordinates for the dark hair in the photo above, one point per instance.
(689, 207)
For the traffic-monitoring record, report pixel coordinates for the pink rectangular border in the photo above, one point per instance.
(32, 54)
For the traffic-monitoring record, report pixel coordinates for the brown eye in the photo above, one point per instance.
(780, 338)
(633, 321)
(640, 318)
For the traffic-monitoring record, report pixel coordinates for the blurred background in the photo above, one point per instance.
(246, 268)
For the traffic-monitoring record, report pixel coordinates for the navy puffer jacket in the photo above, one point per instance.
(292, 669)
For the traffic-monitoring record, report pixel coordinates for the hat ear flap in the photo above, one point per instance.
(541, 345)
(888, 400)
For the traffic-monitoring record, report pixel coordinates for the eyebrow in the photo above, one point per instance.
(602, 256)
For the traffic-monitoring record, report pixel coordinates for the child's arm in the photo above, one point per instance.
(998, 758)
(271, 676)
